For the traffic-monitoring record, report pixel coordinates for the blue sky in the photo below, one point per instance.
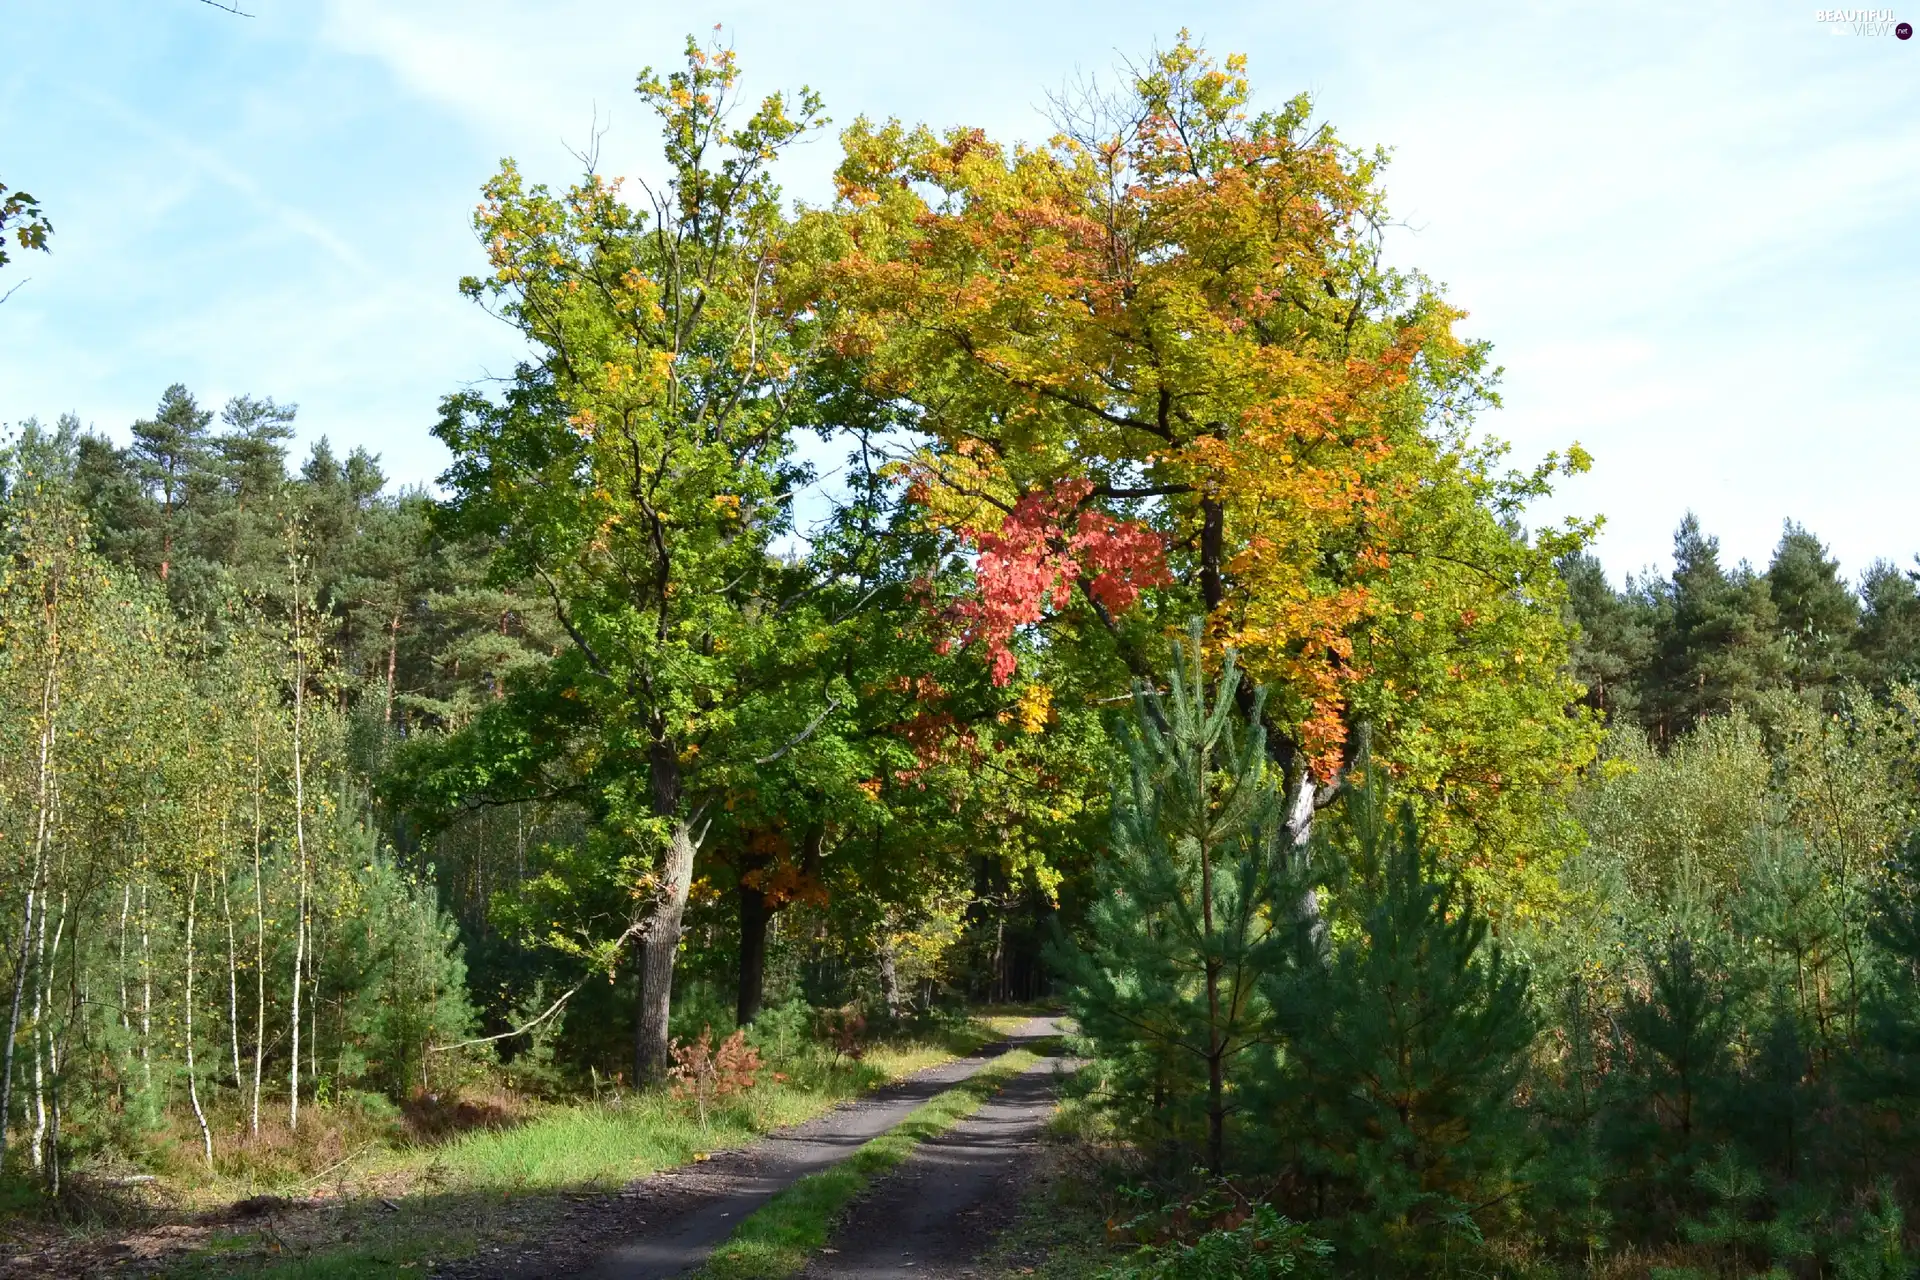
(1690, 231)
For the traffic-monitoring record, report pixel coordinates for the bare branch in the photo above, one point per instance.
(832, 706)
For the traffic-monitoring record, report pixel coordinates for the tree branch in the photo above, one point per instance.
(832, 706)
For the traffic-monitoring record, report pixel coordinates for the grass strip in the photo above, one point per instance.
(776, 1241)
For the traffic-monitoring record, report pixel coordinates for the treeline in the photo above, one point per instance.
(1666, 652)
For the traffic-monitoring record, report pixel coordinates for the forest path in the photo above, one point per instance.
(934, 1215)
(667, 1224)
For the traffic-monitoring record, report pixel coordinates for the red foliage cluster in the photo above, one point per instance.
(1034, 559)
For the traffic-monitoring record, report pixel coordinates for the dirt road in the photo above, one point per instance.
(936, 1213)
(666, 1225)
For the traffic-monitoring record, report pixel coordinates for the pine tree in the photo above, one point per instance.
(1674, 1072)
(171, 453)
(1819, 615)
(1889, 1073)
(1888, 641)
(1615, 640)
(1717, 644)
(1404, 1051)
(1195, 905)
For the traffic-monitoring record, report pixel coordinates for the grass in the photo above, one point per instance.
(603, 1145)
(394, 1211)
(777, 1240)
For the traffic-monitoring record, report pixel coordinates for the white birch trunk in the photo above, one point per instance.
(1302, 795)
(193, 1078)
(126, 909)
(259, 942)
(146, 996)
(233, 969)
(300, 848)
(43, 825)
(39, 1040)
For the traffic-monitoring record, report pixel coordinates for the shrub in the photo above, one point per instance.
(712, 1075)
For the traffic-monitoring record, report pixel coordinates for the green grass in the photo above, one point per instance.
(777, 1241)
(440, 1193)
(608, 1145)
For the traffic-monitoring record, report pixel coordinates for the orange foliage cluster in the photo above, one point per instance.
(711, 1074)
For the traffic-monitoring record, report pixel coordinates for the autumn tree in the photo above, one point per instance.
(1163, 369)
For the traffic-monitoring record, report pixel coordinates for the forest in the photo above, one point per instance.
(1067, 577)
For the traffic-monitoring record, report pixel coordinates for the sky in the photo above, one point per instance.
(1689, 231)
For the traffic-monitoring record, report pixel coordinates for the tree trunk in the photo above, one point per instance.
(1216, 1041)
(660, 938)
(49, 704)
(393, 658)
(233, 972)
(40, 1003)
(1302, 795)
(889, 976)
(651, 1051)
(146, 998)
(259, 941)
(753, 953)
(300, 848)
(54, 1058)
(13, 1019)
(193, 1081)
(126, 909)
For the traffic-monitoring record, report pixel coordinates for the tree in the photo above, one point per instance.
(1718, 643)
(1615, 639)
(1819, 614)
(170, 453)
(1888, 642)
(1403, 1050)
(1164, 371)
(1195, 906)
(639, 472)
